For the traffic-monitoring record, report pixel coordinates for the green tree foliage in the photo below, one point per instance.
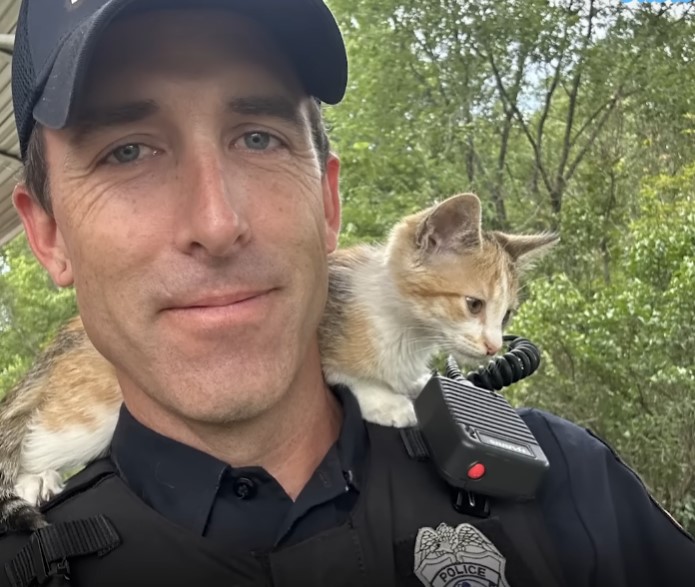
(619, 355)
(31, 310)
(501, 97)
(564, 114)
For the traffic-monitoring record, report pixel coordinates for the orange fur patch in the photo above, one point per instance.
(357, 349)
(92, 380)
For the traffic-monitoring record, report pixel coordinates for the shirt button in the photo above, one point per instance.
(244, 488)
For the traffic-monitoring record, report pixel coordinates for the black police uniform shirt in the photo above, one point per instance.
(243, 508)
(596, 509)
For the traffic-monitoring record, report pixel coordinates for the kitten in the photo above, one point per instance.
(439, 283)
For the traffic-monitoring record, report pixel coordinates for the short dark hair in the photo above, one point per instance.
(36, 168)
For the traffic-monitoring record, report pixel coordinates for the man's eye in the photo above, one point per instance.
(128, 153)
(260, 141)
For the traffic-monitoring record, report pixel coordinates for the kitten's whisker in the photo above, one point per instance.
(430, 341)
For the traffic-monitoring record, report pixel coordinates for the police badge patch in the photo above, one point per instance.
(458, 557)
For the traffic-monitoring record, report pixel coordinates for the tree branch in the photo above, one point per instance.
(571, 110)
(497, 192)
(508, 104)
(549, 94)
(592, 138)
(425, 47)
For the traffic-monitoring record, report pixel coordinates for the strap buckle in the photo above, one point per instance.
(472, 504)
(44, 568)
(44, 558)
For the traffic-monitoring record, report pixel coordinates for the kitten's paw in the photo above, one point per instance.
(40, 487)
(403, 417)
(395, 412)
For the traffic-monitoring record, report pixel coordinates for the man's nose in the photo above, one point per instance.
(213, 216)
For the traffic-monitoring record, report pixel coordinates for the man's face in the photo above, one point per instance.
(192, 215)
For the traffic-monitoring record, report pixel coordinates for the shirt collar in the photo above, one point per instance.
(181, 482)
(177, 480)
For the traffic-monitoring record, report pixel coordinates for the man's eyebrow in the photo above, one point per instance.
(95, 119)
(272, 106)
(90, 121)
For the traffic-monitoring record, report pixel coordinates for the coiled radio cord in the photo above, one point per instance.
(522, 359)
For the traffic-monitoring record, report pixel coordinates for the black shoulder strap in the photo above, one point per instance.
(44, 560)
(415, 444)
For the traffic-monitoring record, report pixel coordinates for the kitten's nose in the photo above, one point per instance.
(491, 348)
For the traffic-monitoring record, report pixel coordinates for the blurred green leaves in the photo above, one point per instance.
(31, 309)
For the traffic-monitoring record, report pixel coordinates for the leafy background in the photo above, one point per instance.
(570, 115)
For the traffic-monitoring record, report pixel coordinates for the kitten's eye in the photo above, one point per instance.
(507, 318)
(475, 306)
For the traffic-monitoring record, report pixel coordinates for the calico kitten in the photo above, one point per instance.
(439, 283)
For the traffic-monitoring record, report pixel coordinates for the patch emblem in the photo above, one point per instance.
(458, 557)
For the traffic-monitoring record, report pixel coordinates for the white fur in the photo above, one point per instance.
(37, 488)
(46, 454)
(404, 346)
(380, 405)
(494, 313)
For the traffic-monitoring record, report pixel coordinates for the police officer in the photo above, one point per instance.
(178, 174)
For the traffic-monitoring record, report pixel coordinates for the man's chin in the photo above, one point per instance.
(231, 406)
(234, 386)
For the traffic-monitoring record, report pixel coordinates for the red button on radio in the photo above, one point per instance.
(476, 471)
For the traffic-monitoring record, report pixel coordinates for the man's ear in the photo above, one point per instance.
(331, 201)
(44, 236)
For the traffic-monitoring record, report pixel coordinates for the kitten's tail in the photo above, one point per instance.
(18, 515)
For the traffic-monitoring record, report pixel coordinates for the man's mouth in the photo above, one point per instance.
(221, 309)
(217, 300)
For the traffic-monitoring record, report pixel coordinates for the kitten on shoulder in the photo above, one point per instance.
(438, 284)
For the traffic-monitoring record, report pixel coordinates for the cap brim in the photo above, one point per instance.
(305, 29)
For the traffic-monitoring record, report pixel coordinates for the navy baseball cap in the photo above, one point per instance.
(55, 38)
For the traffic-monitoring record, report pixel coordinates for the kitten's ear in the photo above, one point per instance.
(526, 249)
(454, 225)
